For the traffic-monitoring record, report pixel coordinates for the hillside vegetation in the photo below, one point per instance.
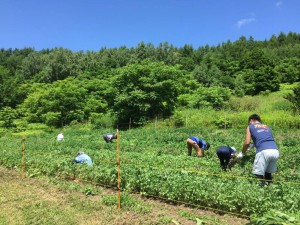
(111, 87)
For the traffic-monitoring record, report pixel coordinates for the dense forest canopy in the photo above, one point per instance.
(58, 86)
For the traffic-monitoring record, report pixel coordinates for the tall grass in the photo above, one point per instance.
(273, 108)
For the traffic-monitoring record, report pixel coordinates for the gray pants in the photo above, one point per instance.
(265, 162)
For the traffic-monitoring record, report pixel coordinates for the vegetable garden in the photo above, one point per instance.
(154, 163)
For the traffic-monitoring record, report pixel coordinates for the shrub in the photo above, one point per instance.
(294, 98)
(37, 126)
(223, 123)
(7, 115)
(102, 120)
(52, 119)
(282, 105)
(178, 119)
(244, 104)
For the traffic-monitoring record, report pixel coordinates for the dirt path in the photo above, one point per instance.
(39, 201)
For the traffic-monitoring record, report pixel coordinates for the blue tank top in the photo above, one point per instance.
(262, 137)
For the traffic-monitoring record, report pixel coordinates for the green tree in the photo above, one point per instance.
(288, 70)
(187, 59)
(255, 59)
(215, 97)
(145, 90)
(206, 76)
(167, 53)
(200, 73)
(10, 92)
(256, 81)
(59, 64)
(4, 86)
(265, 79)
(144, 51)
(287, 73)
(7, 115)
(239, 85)
(57, 104)
(294, 98)
(32, 65)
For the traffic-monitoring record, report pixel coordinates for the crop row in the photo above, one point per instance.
(155, 163)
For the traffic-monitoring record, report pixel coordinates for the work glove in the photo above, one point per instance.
(240, 155)
(251, 146)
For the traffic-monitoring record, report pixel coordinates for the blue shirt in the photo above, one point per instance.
(262, 137)
(226, 151)
(83, 159)
(201, 143)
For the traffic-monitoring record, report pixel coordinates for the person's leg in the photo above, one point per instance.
(261, 178)
(222, 157)
(259, 167)
(272, 157)
(222, 163)
(194, 145)
(189, 146)
(199, 150)
(268, 178)
(226, 163)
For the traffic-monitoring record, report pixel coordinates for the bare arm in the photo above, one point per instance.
(247, 140)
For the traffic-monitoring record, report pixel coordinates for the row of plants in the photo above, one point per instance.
(154, 162)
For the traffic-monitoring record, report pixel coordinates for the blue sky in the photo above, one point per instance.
(94, 24)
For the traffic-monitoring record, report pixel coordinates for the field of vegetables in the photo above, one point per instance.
(154, 162)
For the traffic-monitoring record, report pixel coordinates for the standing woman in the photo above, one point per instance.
(267, 152)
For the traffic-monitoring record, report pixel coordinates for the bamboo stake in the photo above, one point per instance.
(23, 156)
(119, 169)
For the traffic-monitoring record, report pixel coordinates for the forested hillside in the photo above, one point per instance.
(58, 87)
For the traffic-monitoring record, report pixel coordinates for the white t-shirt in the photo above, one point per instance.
(60, 137)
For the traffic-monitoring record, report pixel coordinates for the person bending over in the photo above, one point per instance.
(225, 153)
(109, 137)
(198, 144)
(83, 158)
(267, 152)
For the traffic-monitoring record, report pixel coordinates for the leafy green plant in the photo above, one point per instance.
(178, 119)
(274, 217)
(102, 120)
(223, 123)
(90, 191)
(294, 98)
(154, 162)
(7, 115)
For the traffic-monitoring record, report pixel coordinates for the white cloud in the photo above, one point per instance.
(278, 4)
(243, 22)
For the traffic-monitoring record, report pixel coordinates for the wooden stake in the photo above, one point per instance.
(23, 156)
(119, 169)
